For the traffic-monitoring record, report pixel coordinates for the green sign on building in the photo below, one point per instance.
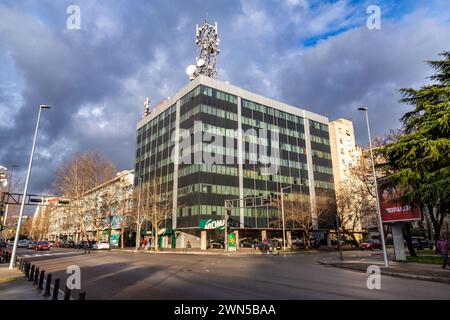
(210, 224)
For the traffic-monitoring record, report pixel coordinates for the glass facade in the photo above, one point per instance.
(203, 188)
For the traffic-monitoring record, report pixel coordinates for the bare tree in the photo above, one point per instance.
(76, 177)
(151, 206)
(355, 206)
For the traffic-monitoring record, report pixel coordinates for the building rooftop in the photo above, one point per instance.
(229, 88)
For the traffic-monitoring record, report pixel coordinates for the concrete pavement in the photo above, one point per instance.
(119, 275)
(410, 270)
(14, 286)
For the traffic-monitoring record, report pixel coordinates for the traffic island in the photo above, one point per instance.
(410, 270)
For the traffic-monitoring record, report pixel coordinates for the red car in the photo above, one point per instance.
(371, 245)
(41, 245)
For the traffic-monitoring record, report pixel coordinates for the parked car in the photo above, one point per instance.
(2, 244)
(275, 244)
(51, 243)
(371, 245)
(31, 244)
(248, 243)
(216, 244)
(315, 244)
(42, 245)
(79, 245)
(22, 243)
(298, 243)
(69, 244)
(101, 245)
(9, 243)
(421, 243)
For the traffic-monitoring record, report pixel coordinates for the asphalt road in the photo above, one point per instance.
(123, 275)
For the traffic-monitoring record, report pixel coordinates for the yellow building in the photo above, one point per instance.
(345, 154)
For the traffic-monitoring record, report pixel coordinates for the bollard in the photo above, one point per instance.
(31, 275)
(67, 293)
(26, 269)
(82, 296)
(55, 289)
(47, 285)
(36, 276)
(41, 280)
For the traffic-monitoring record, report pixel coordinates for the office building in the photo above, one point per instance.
(198, 188)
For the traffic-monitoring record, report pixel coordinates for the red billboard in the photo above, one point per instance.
(395, 211)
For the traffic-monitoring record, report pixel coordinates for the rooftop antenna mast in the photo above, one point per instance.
(207, 40)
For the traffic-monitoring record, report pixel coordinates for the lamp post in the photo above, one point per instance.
(22, 206)
(282, 217)
(138, 222)
(380, 221)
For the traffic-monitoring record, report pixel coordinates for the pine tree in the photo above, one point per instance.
(419, 161)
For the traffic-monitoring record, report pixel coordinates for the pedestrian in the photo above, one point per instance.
(188, 245)
(442, 247)
(266, 246)
(87, 246)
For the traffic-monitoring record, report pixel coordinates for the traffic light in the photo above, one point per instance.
(230, 222)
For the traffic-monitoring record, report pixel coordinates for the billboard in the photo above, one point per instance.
(395, 211)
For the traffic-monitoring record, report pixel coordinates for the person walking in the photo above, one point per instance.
(442, 247)
(87, 246)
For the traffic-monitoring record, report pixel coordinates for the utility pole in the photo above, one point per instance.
(282, 217)
(138, 221)
(380, 221)
(339, 237)
(27, 180)
(227, 214)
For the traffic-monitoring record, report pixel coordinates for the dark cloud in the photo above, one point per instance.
(97, 78)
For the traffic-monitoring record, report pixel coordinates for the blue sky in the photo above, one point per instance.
(318, 55)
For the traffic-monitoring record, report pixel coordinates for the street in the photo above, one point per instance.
(123, 275)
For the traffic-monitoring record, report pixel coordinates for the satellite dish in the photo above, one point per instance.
(200, 63)
(190, 70)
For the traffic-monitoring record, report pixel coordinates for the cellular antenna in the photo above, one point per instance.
(207, 40)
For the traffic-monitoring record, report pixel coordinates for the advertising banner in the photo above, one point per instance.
(210, 224)
(394, 211)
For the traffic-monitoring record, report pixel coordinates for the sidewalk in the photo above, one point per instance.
(14, 286)
(198, 251)
(411, 270)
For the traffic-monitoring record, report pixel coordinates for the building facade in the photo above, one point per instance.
(104, 211)
(214, 141)
(344, 151)
(346, 155)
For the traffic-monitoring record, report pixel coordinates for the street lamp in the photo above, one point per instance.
(282, 217)
(380, 222)
(22, 206)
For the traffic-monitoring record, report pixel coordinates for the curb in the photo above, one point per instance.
(386, 272)
(257, 253)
